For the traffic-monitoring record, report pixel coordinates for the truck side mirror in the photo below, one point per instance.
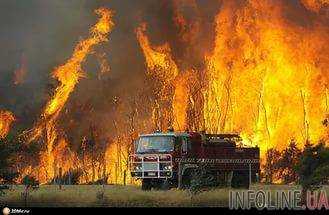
(135, 145)
(177, 145)
(184, 146)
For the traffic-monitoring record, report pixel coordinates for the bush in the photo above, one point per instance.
(313, 167)
(30, 182)
(69, 178)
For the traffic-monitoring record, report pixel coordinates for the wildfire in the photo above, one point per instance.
(265, 77)
(158, 59)
(261, 84)
(163, 69)
(68, 76)
(180, 101)
(6, 119)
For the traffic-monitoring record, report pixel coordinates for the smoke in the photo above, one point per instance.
(45, 33)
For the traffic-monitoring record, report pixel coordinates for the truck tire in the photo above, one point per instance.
(146, 184)
(240, 180)
(186, 179)
(165, 185)
(157, 184)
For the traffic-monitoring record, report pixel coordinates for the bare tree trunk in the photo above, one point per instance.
(228, 104)
(26, 194)
(257, 114)
(104, 174)
(60, 178)
(304, 196)
(93, 170)
(218, 124)
(305, 116)
(124, 177)
(99, 170)
(266, 120)
(327, 100)
(116, 172)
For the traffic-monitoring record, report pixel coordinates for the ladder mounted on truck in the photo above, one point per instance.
(228, 139)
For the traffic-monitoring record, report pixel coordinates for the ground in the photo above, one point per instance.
(116, 195)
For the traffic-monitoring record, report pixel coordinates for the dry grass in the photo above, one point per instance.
(90, 195)
(121, 196)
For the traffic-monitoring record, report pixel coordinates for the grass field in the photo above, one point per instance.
(121, 196)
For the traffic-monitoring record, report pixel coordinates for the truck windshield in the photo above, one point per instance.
(149, 144)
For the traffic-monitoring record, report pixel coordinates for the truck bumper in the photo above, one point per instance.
(151, 166)
(152, 174)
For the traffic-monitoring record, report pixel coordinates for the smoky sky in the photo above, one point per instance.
(45, 32)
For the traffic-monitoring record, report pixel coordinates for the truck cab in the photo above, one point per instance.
(153, 161)
(172, 159)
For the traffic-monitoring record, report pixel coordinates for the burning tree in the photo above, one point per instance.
(7, 148)
(254, 67)
(68, 76)
(252, 79)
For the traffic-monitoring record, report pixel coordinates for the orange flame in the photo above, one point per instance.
(6, 119)
(315, 5)
(68, 75)
(162, 68)
(180, 101)
(260, 83)
(158, 59)
(266, 78)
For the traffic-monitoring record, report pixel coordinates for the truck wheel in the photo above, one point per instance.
(156, 184)
(146, 184)
(165, 185)
(186, 179)
(240, 179)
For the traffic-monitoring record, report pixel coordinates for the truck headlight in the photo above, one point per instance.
(138, 168)
(167, 167)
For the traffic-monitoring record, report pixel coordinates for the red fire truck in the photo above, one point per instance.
(176, 159)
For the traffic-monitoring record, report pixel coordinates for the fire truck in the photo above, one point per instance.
(163, 160)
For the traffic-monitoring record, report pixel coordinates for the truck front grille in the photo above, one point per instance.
(149, 166)
(157, 167)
